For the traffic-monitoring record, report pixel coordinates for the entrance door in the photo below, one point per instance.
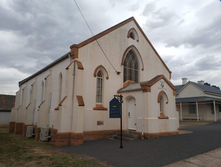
(131, 114)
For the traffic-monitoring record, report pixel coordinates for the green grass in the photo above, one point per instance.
(19, 152)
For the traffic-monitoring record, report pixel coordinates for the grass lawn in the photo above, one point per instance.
(17, 151)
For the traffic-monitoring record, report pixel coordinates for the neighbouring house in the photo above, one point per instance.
(198, 101)
(71, 96)
(6, 104)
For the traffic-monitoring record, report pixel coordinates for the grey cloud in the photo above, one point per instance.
(149, 8)
(208, 63)
(162, 17)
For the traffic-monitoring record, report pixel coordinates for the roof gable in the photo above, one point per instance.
(139, 85)
(74, 48)
(205, 88)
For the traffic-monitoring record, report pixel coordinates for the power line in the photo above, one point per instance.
(94, 36)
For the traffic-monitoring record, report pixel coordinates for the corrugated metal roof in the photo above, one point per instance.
(45, 68)
(194, 99)
(178, 87)
(132, 87)
(207, 88)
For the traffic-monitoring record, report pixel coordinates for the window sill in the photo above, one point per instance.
(99, 107)
(162, 116)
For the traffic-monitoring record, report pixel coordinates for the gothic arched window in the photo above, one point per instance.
(131, 67)
(99, 87)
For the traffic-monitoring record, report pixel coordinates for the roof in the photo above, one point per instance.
(91, 40)
(7, 102)
(132, 87)
(197, 99)
(205, 88)
(114, 28)
(137, 86)
(45, 68)
(178, 87)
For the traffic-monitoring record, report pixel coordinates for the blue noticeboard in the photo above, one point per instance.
(114, 108)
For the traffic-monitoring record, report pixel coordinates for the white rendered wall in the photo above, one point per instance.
(190, 91)
(114, 45)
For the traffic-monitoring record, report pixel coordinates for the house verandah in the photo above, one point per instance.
(199, 108)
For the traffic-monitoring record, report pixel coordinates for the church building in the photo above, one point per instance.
(67, 102)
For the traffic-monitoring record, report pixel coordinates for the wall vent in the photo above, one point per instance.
(30, 132)
(44, 134)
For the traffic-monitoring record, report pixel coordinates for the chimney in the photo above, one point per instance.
(184, 81)
(201, 82)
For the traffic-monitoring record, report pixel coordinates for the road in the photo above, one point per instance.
(154, 152)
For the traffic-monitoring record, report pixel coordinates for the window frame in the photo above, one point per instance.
(192, 107)
(99, 94)
(131, 66)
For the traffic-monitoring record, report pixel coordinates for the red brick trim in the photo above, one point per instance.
(19, 128)
(128, 34)
(127, 50)
(162, 116)
(11, 127)
(60, 104)
(145, 87)
(159, 95)
(28, 105)
(79, 64)
(74, 51)
(80, 100)
(100, 134)
(96, 70)
(41, 104)
(69, 65)
(68, 138)
(160, 134)
(37, 132)
(99, 107)
(127, 83)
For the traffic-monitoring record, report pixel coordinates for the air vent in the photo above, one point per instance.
(30, 132)
(44, 134)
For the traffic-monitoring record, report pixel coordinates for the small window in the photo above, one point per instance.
(132, 35)
(99, 87)
(192, 108)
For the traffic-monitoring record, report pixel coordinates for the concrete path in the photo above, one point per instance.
(209, 159)
(156, 152)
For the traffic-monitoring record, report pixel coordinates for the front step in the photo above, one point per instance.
(127, 135)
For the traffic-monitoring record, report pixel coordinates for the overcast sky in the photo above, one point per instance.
(34, 33)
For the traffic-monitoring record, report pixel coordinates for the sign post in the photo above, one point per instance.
(116, 112)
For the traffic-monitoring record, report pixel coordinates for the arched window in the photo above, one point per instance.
(131, 67)
(60, 88)
(99, 87)
(161, 104)
(132, 35)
